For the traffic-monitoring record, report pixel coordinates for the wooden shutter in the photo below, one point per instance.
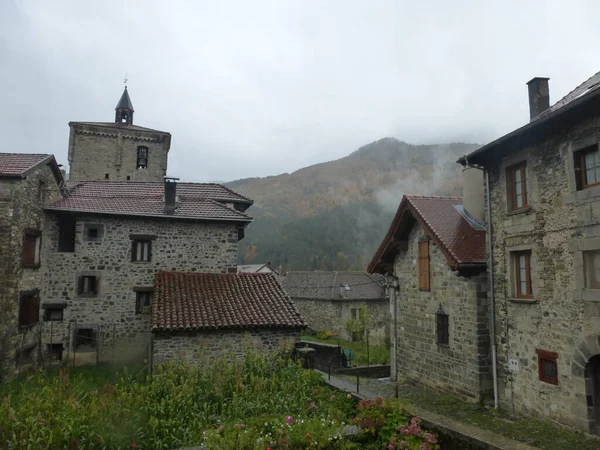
(133, 250)
(149, 250)
(424, 266)
(80, 283)
(510, 188)
(94, 284)
(29, 247)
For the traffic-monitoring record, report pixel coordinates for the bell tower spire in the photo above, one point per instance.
(124, 109)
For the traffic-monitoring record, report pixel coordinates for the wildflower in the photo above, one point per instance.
(348, 396)
(289, 420)
(312, 404)
(133, 445)
(430, 438)
(391, 447)
(307, 436)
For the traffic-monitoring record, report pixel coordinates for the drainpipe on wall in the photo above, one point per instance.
(465, 162)
(393, 286)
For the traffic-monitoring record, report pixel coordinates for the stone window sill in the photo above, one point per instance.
(530, 301)
(87, 295)
(32, 266)
(519, 211)
(583, 194)
(591, 295)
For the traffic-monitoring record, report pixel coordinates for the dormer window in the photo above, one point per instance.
(142, 157)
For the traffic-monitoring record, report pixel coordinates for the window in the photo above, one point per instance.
(587, 167)
(523, 283)
(66, 233)
(53, 314)
(547, 367)
(592, 266)
(29, 308)
(424, 284)
(143, 300)
(85, 337)
(141, 250)
(106, 176)
(41, 191)
(55, 351)
(442, 327)
(516, 184)
(88, 285)
(354, 313)
(93, 231)
(142, 157)
(31, 248)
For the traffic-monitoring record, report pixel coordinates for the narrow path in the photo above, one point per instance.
(488, 439)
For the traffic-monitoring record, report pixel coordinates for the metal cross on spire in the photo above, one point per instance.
(125, 81)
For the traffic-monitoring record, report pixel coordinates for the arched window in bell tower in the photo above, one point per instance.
(142, 157)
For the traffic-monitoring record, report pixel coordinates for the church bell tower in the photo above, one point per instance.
(124, 110)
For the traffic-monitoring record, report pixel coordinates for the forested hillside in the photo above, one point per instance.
(332, 216)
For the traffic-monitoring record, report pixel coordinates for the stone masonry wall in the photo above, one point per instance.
(332, 315)
(97, 151)
(462, 368)
(564, 316)
(21, 202)
(124, 335)
(207, 347)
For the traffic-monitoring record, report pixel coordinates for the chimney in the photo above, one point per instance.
(539, 96)
(170, 194)
(473, 193)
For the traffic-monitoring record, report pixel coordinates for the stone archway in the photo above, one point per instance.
(586, 365)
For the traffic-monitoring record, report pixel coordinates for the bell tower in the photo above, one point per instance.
(124, 110)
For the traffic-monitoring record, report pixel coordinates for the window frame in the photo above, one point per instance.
(511, 183)
(29, 314)
(517, 273)
(580, 166)
(550, 357)
(424, 266)
(139, 291)
(590, 269)
(134, 249)
(442, 328)
(36, 235)
(47, 311)
(142, 154)
(95, 290)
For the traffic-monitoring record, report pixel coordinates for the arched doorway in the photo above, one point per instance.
(592, 383)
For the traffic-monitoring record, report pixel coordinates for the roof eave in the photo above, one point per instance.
(477, 156)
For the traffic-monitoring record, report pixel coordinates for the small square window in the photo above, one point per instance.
(88, 285)
(31, 248)
(143, 301)
(93, 231)
(522, 262)
(547, 366)
(53, 314)
(141, 250)
(516, 185)
(591, 262)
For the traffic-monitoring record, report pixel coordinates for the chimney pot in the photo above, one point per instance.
(170, 194)
(539, 96)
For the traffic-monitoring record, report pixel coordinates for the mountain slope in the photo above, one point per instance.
(332, 216)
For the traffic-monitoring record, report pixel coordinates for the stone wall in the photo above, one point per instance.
(96, 151)
(121, 333)
(21, 202)
(461, 368)
(564, 315)
(332, 315)
(205, 347)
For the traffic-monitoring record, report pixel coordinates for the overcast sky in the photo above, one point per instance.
(256, 88)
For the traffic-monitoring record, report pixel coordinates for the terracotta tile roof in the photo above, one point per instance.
(16, 164)
(123, 126)
(332, 285)
(204, 201)
(461, 240)
(213, 301)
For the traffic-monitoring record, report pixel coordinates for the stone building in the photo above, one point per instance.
(436, 252)
(328, 300)
(544, 198)
(203, 317)
(26, 182)
(117, 150)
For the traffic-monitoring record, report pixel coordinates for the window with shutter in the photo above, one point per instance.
(29, 308)
(31, 248)
(424, 276)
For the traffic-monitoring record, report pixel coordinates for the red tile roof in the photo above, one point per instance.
(16, 164)
(118, 125)
(213, 301)
(203, 201)
(460, 238)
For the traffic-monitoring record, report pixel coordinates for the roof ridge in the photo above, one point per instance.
(574, 89)
(437, 197)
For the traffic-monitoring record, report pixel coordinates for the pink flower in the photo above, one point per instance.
(430, 438)
(289, 420)
(307, 436)
(312, 404)
(402, 444)
(391, 447)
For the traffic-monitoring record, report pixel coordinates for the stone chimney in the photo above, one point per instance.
(170, 194)
(473, 193)
(539, 96)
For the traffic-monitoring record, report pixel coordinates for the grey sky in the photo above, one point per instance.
(256, 88)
